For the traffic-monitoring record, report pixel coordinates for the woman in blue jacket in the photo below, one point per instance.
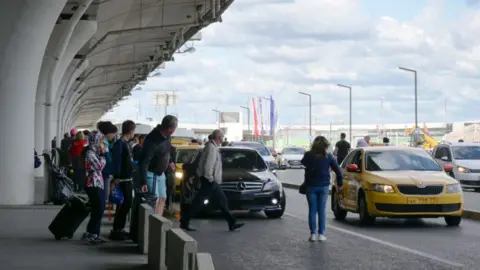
(317, 164)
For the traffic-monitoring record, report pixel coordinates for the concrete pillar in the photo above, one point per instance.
(67, 84)
(45, 71)
(80, 34)
(23, 44)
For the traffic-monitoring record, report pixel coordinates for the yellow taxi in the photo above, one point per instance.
(183, 155)
(396, 182)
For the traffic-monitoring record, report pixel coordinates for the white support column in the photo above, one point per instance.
(40, 93)
(63, 92)
(71, 38)
(23, 45)
(70, 97)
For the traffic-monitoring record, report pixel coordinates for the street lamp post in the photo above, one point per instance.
(350, 109)
(248, 116)
(310, 112)
(416, 94)
(218, 117)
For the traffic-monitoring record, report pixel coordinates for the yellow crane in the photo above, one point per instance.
(419, 138)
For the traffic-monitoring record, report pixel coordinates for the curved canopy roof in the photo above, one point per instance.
(133, 38)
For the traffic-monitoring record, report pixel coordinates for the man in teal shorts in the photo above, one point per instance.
(155, 159)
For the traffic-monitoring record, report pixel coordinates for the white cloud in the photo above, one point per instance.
(281, 47)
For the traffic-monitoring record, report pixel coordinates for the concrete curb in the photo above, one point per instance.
(467, 214)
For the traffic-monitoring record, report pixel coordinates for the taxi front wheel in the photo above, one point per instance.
(365, 218)
(453, 221)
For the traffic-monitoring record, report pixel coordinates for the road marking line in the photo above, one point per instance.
(388, 244)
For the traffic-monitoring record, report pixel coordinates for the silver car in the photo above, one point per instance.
(465, 158)
(291, 157)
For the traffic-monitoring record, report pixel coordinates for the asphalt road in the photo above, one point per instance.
(389, 244)
(295, 176)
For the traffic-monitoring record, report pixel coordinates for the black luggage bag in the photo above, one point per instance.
(67, 221)
(140, 198)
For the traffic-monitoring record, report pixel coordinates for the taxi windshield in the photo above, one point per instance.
(400, 160)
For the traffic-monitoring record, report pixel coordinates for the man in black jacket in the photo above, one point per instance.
(122, 176)
(155, 160)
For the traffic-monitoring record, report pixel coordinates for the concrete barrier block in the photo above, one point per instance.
(471, 214)
(157, 228)
(144, 212)
(182, 249)
(204, 262)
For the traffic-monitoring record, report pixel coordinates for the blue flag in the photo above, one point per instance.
(272, 116)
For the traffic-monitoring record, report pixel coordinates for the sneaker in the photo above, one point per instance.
(313, 238)
(85, 236)
(322, 237)
(95, 240)
(118, 235)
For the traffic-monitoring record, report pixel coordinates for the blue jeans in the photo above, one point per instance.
(317, 204)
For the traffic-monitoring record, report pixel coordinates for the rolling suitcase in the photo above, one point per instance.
(67, 221)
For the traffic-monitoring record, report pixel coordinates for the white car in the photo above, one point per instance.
(262, 150)
(465, 158)
(291, 157)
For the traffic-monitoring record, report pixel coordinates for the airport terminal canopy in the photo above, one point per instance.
(67, 62)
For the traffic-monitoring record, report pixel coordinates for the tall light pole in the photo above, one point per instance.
(310, 112)
(218, 117)
(248, 116)
(350, 108)
(416, 94)
(381, 113)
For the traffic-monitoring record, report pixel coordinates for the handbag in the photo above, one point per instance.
(116, 195)
(149, 197)
(302, 189)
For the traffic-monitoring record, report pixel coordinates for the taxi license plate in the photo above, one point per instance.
(422, 201)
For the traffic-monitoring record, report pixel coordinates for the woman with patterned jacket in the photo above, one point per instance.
(94, 164)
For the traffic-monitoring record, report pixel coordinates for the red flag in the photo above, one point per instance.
(255, 118)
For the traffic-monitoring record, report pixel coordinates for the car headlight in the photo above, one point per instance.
(179, 175)
(382, 188)
(463, 170)
(454, 188)
(271, 185)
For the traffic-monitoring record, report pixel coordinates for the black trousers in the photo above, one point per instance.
(98, 207)
(214, 193)
(123, 209)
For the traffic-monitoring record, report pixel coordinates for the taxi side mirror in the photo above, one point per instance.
(352, 168)
(448, 168)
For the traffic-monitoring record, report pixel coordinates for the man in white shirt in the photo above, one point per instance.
(364, 142)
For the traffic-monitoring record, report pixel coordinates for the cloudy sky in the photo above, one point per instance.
(281, 47)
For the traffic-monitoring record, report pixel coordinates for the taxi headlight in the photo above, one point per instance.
(271, 185)
(179, 175)
(463, 169)
(454, 188)
(382, 188)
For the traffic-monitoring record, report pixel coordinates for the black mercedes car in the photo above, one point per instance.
(248, 182)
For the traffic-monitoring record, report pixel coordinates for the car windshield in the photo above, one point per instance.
(293, 151)
(184, 155)
(466, 152)
(400, 160)
(243, 160)
(271, 149)
(263, 150)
